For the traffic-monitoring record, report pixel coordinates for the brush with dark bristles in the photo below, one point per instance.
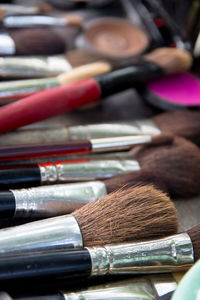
(31, 42)
(172, 253)
(42, 105)
(128, 214)
(181, 123)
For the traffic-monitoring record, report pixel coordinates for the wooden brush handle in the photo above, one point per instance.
(83, 72)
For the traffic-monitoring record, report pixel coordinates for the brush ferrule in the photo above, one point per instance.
(29, 67)
(96, 131)
(56, 200)
(21, 88)
(18, 9)
(143, 288)
(163, 255)
(7, 45)
(32, 21)
(89, 170)
(119, 143)
(55, 232)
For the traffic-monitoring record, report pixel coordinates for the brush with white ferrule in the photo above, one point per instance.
(181, 123)
(42, 105)
(172, 253)
(38, 20)
(131, 214)
(11, 9)
(79, 146)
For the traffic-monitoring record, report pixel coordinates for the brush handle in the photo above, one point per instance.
(45, 265)
(49, 103)
(56, 101)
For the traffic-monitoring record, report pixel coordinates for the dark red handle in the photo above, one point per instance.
(42, 150)
(48, 103)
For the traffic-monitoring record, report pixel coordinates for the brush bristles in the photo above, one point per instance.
(74, 20)
(142, 212)
(81, 57)
(37, 41)
(194, 234)
(181, 123)
(171, 60)
(177, 165)
(162, 139)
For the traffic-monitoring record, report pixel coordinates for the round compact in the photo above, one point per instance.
(173, 91)
(114, 37)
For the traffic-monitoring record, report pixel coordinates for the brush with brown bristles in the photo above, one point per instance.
(128, 214)
(41, 105)
(36, 41)
(181, 123)
(165, 255)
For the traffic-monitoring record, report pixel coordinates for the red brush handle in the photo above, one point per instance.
(43, 150)
(48, 103)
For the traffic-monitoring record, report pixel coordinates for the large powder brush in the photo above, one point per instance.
(126, 215)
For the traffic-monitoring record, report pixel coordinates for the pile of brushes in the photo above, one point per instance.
(90, 201)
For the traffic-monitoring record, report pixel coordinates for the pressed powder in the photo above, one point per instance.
(115, 37)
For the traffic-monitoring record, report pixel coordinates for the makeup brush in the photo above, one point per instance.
(79, 146)
(35, 41)
(165, 255)
(147, 287)
(10, 9)
(34, 108)
(40, 21)
(181, 123)
(128, 214)
(41, 66)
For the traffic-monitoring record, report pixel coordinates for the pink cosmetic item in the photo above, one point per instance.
(173, 91)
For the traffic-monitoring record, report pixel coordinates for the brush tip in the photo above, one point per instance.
(162, 139)
(171, 60)
(45, 7)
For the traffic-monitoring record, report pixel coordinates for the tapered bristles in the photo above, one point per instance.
(177, 165)
(182, 123)
(142, 212)
(194, 234)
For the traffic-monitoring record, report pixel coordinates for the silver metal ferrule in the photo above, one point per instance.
(119, 143)
(83, 171)
(33, 66)
(7, 45)
(32, 21)
(96, 131)
(54, 200)
(55, 232)
(159, 256)
(12, 90)
(140, 288)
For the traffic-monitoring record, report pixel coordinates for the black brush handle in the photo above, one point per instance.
(126, 78)
(46, 265)
(7, 204)
(19, 176)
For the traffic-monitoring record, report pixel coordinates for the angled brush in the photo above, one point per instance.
(181, 123)
(36, 41)
(42, 105)
(126, 215)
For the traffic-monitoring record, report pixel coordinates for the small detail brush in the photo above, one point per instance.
(31, 42)
(165, 255)
(34, 108)
(126, 215)
(182, 123)
(40, 21)
(79, 146)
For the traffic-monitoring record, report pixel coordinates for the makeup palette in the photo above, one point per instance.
(173, 92)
